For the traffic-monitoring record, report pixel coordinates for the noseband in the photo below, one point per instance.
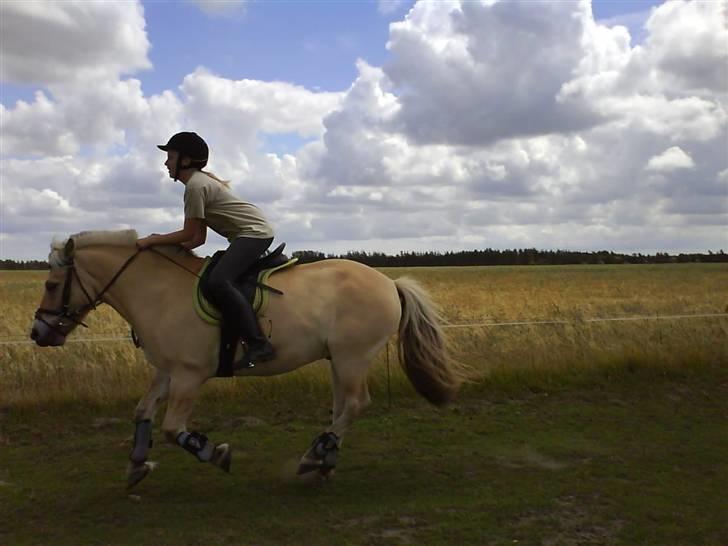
(65, 312)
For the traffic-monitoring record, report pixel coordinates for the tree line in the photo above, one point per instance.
(528, 256)
(20, 265)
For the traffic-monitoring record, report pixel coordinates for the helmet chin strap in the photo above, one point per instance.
(177, 166)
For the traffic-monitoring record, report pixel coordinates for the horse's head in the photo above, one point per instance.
(62, 306)
(66, 299)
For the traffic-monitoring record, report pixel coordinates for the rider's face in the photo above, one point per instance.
(171, 163)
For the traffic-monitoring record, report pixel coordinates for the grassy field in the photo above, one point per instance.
(580, 433)
(513, 354)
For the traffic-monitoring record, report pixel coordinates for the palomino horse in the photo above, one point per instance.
(335, 309)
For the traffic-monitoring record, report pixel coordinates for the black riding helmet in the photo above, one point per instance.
(189, 145)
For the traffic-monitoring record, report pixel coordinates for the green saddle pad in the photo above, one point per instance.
(209, 313)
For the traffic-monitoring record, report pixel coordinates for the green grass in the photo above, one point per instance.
(583, 433)
(626, 457)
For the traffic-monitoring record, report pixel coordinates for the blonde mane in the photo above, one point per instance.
(126, 237)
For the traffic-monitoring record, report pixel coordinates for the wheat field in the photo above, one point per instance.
(560, 339)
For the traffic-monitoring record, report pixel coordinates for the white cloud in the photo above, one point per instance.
(50, 42)
(33, 201)
(355, 150)
(669, 160)
(471, 73)
(35, 128)
(695, 64)
(111, 113)
(676, 84)
(97, 116)
(78, 51)
(247, 106)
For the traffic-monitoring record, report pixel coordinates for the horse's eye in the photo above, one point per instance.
(51, 285)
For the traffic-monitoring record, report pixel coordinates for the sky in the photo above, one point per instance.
(373, 125)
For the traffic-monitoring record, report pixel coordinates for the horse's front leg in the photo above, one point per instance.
(184, 391)
(139, 467)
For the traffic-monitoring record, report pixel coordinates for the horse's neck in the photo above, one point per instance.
(148, 281)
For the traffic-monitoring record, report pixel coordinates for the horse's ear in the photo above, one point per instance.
(69, 248)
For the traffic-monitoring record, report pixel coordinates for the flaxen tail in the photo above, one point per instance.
(423, 352)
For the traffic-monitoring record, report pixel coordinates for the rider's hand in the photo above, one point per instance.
(145, 242)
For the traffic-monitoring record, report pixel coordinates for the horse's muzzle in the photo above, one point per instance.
(45, 336)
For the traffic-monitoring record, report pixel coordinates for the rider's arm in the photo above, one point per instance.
(193, 232)
(199, 236)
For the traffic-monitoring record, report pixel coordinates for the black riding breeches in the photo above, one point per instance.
(235, 309)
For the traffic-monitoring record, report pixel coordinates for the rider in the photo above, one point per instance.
(209, 202)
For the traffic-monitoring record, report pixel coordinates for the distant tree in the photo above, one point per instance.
(486, 257)
(23, 265)
(308, 256)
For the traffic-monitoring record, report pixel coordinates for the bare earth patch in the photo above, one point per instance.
(526, 456)
(573, 519)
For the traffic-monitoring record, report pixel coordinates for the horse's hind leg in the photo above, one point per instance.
(184, 391)
(139, 467)
(351, 397)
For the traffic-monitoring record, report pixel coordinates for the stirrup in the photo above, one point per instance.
(265, 353)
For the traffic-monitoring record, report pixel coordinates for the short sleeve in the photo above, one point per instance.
(194, 201)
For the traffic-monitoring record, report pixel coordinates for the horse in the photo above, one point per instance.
(334, 309)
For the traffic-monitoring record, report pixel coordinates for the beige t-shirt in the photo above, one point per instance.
(207, 198)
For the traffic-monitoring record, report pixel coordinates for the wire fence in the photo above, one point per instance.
(492, 324)
(587, 320)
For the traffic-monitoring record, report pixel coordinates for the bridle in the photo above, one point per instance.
(65, 312)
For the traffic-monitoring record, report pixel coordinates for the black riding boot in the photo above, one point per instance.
(234, 307)
(257, 347)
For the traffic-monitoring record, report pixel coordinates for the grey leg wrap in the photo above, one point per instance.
(322, 455)
(142, 441)
(197, 444)
(325, 447)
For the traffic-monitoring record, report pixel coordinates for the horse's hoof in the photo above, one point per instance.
(327, 472)
(310, 470)
(306, 468)
(309, 477)
(136, 473)
(222, 457)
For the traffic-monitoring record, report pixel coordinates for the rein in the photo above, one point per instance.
(163, 255)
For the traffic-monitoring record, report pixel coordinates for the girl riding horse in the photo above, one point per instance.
(209, 203)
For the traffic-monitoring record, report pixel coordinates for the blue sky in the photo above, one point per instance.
(314, 44)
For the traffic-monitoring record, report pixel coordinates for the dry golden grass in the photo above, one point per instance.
(577, 294)
(104, 372)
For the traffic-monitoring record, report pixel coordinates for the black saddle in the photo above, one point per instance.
(246, 283)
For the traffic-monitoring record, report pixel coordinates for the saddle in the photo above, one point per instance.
(251, 283)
